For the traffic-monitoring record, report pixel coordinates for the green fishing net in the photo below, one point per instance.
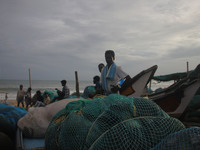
(51, 93)
(187, 139)
(89, 92)
(113, 122)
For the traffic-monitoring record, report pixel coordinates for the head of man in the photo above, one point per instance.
(63, 82)
(96, 79)
(109, 57)
(29, 89)
(21, 87)
(100, 66)
(38, 92)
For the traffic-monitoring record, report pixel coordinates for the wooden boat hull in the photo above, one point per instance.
(176, 97)
(136, 85)
(175, 101)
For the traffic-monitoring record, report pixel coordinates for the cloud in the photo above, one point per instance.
(56, 38)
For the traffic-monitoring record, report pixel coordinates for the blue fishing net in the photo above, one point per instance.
(11, 113)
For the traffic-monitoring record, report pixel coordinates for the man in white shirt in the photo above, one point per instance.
(111, 74)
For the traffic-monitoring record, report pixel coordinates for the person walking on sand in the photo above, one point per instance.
(111, 74)
(20, 96)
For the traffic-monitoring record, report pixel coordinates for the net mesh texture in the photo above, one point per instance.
(188, 139)
(11, 113)
(113, 122)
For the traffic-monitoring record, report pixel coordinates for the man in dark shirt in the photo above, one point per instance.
(65, 89)
(64, 93)
(96, 81)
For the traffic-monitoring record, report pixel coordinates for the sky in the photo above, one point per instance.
(55, 38)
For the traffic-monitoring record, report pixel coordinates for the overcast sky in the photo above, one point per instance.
(55, 38)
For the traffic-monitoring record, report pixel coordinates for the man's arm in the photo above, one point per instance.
(120, 73)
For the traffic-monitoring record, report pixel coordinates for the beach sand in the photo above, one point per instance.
(10, 102)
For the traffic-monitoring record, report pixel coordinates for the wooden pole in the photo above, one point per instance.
(187, 68)
(77, 84)
(150, 87)
(29, 71)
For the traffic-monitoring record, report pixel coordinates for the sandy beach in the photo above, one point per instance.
(10, 102)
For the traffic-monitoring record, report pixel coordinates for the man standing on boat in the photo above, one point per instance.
(111, 74)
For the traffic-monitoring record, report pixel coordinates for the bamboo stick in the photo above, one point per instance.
(77, 84)
(187, 68)
(29, 70)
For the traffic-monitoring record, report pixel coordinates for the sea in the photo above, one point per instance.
(12, 86)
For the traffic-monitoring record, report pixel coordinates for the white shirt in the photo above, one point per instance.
(119, 74)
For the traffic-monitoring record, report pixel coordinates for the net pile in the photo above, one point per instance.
(89, 92)
(113, 122)
(11, 114)
(187, 139)
(9, 117)
(51, 93)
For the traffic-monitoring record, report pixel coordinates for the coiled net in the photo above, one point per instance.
(187, 139)
(113, 122)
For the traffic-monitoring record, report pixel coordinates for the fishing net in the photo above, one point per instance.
(113, 122)
(186, 139)
(51, 93)
(9, 117)
(11, 113)
(89, 92)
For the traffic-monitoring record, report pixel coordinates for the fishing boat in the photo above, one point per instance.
(176, 97)
(135, 86)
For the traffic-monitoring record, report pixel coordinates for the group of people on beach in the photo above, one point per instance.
(36, 100)
(106, 84)
(39, 100)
